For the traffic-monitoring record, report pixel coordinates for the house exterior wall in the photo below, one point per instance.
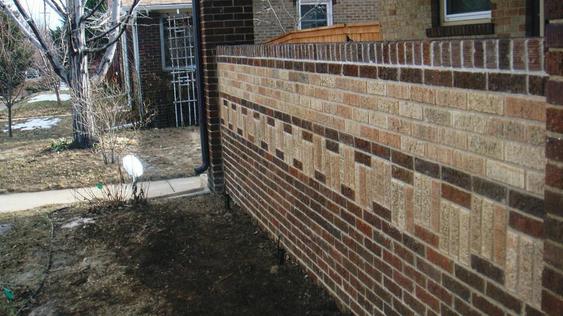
(406, 177)
(283, 18)
(400, 19)
(156, 84)
(223, 22)
(552, 296)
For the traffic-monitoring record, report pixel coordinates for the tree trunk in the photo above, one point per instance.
(57, 87)
(80, 81)
(9, 106)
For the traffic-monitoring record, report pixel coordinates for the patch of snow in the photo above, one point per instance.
(49, 97)
(5, 228)
(35, 123)
(78, 222)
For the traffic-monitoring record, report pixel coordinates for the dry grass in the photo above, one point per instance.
(27, 164)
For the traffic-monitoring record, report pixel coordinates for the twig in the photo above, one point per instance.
(49, 263)
(221, 280)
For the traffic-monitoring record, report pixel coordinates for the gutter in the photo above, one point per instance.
(204, 139)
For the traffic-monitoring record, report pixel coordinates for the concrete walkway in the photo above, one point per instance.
(164, 188)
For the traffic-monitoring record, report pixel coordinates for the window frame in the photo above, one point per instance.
(162, 20)
(328, 4)
(463, 18)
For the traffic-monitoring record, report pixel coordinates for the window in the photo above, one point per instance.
(314, 13)
(466, 10)
(165, 44)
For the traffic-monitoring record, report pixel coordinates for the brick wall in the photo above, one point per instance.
(553, 251)
(155, 83)
(266, 24)
(408, 19)
(406, 177)
(400, 19)
(223, 22)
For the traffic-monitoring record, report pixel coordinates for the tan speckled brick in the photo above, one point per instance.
(535, 182)
(410, 109)
(487, 103)
(511, 270)
(499, 235)
(505, 173)
(537, 272)
(376, 87)
(525, 155)
(423, 94)
(398, 204)
(445, 227)
(487, 215)
(464, 229)
(398, 90)
(525, 267)
(487, 146)
(451, 98)
(362, 185)
(347, 167)
(476, 208)
(422, 199)
(413, 146)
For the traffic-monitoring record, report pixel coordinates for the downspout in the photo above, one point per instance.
(137, 60)
(126, 74)
(204, 139)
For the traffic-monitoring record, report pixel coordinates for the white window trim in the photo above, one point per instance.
(328, 4)
(477, 15)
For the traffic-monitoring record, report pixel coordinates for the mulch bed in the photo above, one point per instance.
(187, 256)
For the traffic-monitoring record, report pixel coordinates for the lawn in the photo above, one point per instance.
(188, 256)
(28, 164)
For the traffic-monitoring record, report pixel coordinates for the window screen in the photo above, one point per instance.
(313, 15)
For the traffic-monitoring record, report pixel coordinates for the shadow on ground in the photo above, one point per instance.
(180, 257)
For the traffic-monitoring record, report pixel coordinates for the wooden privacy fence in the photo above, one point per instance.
(364, 32)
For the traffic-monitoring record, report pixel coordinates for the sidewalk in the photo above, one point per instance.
(163, 188)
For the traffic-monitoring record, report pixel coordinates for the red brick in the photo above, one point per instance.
(428, 299)
(551, 304)
(487, 307)
(457, 196)
(554, 119)
(439, 260)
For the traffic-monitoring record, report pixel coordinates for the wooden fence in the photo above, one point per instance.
(364, 32)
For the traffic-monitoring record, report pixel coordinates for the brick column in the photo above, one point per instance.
(552, 296)
(223, 22)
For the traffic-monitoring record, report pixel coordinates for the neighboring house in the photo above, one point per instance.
(275, 17)
(402, 19)
(159, 67)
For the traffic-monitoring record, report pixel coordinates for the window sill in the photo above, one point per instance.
(461, 30)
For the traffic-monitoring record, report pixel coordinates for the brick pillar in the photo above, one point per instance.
(552, 296)
(223, 22)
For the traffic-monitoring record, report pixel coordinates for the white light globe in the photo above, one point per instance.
(133, 166)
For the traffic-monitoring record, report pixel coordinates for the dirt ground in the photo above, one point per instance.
(27, 164)
(187, 256)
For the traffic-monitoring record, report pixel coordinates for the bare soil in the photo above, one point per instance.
(27, 164)
(189, 256)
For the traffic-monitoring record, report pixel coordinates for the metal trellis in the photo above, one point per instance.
(183, 68)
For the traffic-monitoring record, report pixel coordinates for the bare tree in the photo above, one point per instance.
(48, 77)
(15, 59)
(92, 30)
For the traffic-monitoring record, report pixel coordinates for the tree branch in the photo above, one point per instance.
(111, 46)
(94, 10)
(36, 37)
